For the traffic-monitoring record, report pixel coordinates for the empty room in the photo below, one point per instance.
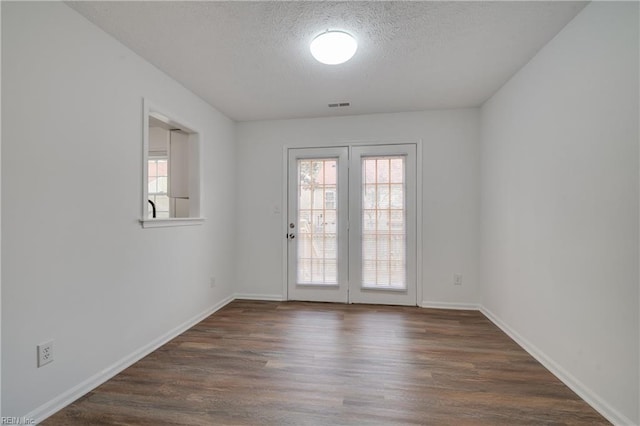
(320, 213)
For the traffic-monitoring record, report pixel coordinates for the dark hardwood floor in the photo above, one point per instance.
(294, 363)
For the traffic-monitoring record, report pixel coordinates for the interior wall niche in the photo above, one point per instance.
(171, 170)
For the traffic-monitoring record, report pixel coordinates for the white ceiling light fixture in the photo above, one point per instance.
(333, 47)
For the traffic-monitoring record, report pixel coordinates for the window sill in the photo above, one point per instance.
(176, 221)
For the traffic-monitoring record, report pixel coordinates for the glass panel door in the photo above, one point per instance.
(351, 228)
(317, 224)
(383, 225)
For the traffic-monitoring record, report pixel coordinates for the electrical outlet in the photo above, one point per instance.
(45, 353)
(457, 279)
(212, 282)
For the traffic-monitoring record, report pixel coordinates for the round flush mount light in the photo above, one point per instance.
(333, 47)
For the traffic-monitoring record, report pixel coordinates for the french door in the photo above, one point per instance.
(317, 227)
(351, 226)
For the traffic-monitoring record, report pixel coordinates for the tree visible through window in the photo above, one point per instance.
(157, 180)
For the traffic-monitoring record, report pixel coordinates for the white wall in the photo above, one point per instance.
(450, 142)
(560, 206)
(77, 266)
(558, 217)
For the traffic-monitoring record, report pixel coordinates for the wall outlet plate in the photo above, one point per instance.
(45, 353)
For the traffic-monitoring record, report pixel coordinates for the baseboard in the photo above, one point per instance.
(607, 411)
(61, 401)
(255, 296)
(447, 305)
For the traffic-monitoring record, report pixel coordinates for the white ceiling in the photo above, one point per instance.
(251, 60)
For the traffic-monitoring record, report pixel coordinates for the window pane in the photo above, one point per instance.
(304, 220)
(396, 200)
(318, 199)
(383, 197)
(369, 247)
(330, 247)
(330, 198)
(330, 172)
(383, 223)
(330, 218)
(316, 166)
(369, 220)
(382, 247)
(317, 228)
(396, 221)
(317, 270)
(162, 168)
(369, 197)
(152, 168)
(382, 273)
(162, 184)
(304, 246)
(162, 203)
(369, 273)
(382, 169)
(397, 247)
(304, 270)
(397, 170)
(153, 187)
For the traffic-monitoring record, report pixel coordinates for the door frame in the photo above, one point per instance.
(349, 144)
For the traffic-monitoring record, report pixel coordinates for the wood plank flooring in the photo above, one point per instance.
(296, 363)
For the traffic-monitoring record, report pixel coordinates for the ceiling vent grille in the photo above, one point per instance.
(340, 104)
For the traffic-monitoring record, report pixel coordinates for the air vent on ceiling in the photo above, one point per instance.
(340, 104)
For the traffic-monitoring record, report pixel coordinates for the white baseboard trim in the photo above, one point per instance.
(607, 411)
(255, 296)
(56, 404)
(447, 305)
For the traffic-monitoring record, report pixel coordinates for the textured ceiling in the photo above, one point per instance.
(251, 60)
